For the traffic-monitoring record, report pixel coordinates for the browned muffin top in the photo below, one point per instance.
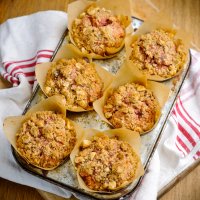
(45, 139)
(159, 53)
(131, 106)
(97, 31)
(77, 80)
(106, 163)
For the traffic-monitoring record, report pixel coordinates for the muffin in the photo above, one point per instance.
(159, 53)
(98, 31)
(75, 79)
(131, 106)
(45, 139)
(106, 164)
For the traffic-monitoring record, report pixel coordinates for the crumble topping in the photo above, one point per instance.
(159, 53)
(131, 106)
(96, 30)
(46, 138)
(106, 163)
(77, 80)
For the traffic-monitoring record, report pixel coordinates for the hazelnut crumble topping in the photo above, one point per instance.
(106, 163)
(159, 53)
(96, 30)
(77, 80)
(131, 106)
(46, 138)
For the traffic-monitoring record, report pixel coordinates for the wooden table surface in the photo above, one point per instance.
(186, 14)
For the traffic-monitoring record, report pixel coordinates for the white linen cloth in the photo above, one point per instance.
(32, 39)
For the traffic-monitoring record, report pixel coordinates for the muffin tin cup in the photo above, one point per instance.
(132, 138)
(13, 124)
(68, 51)
(128, 73)
(117, 7)
(158, 21)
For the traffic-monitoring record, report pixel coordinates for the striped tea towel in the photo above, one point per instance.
(179, 146)
(28, 40)
(186, 113)
(13, 69)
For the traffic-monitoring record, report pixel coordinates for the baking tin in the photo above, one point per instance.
(65, 176)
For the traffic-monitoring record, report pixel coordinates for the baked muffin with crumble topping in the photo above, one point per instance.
(77, 80)
(106, 164)
(131, 106)
(45, 139)
(98, 31)
(158, 53)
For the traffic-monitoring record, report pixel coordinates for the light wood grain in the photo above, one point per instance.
(186, 189)
(186, 14)
(13, 191)
(16, 8)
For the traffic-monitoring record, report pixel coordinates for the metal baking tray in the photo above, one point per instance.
(65, 175)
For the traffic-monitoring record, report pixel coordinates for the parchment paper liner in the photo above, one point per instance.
(128, 73)
(69, 51)
(118, 7)
(12, 124)
(126, 135)
(156, 22)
